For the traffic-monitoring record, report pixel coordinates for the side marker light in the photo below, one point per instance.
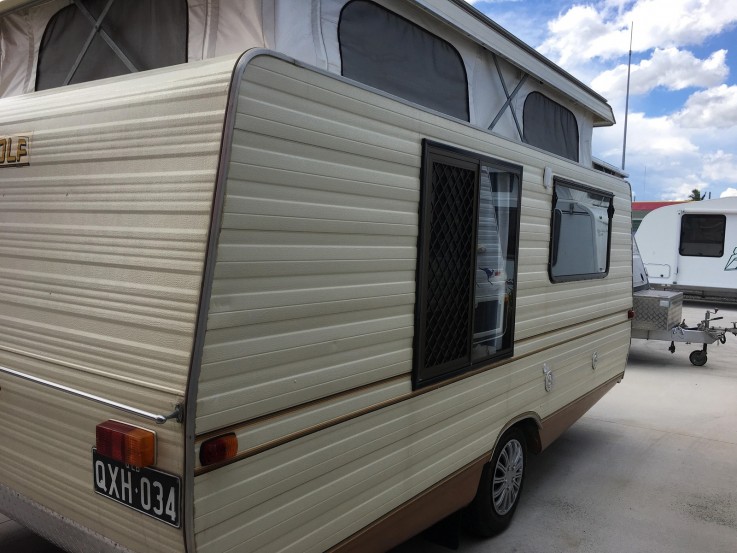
(218, 449)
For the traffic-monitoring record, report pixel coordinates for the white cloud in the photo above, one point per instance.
(583, 33)
(669, 156)
(602, 30)
(679, 22)
(655, 137)
(713, 108)
(669, 68)
(729, 193)
(720, 166)
(664, 160)
(681, 189)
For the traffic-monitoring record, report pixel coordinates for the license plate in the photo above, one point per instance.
(149, 491)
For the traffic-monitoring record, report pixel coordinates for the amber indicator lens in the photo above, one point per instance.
(219, 449)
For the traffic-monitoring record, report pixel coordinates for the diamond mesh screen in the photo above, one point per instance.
(448, 294)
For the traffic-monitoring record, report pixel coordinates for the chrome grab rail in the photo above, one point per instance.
(177, 414)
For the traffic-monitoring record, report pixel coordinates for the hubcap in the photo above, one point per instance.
(507, 477)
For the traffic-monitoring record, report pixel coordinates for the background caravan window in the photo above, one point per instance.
(702, 235)
(467, 266)
(147, 34)
(550, 126)
(581, 232)
(388, 52)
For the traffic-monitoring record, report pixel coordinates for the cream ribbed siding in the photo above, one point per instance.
(102, 242)
(314, 282)
(313, 296)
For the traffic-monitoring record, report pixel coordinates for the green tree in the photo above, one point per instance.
(696, 195)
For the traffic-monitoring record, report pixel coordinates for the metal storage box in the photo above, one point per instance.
(657, 309)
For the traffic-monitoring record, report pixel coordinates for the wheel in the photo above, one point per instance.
(500, 487)
(698, 357)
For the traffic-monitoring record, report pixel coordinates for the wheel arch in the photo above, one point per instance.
(530, 424)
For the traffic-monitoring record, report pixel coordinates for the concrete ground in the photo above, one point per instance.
(16, 539)
(652, 468)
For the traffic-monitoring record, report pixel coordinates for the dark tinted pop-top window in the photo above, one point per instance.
(702, 235)
(134, 35)
(550, 126)
(467, 265)
(580, 233)
(388, 52)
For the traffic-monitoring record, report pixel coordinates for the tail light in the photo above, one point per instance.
(126, 443)
(631, 314)
(218, 449)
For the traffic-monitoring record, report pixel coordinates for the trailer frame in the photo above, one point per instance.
(703, 333)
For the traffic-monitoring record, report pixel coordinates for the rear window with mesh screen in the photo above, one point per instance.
(467, 265)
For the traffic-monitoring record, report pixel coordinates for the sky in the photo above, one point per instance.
(682, 124)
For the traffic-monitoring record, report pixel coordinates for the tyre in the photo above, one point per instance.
(500, 487)
(698, 357)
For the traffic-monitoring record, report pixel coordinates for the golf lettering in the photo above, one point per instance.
(14, 151)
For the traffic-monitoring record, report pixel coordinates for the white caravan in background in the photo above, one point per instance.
(292, 276)
(692, 247)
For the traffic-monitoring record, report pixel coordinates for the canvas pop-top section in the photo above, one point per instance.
(441, 54)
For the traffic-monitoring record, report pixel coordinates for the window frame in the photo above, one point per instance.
(422, 375)
(553, 250)
(703, 215)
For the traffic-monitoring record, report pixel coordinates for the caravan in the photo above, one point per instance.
(692, 247)
(292, 276)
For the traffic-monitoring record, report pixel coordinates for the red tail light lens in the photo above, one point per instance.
(126, 443)
(631, 314)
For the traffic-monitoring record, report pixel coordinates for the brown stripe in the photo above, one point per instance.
(359, 412)
(554, 425)
(422, 511)
(457, 490)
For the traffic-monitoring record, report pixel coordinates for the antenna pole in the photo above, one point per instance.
(627, 100)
